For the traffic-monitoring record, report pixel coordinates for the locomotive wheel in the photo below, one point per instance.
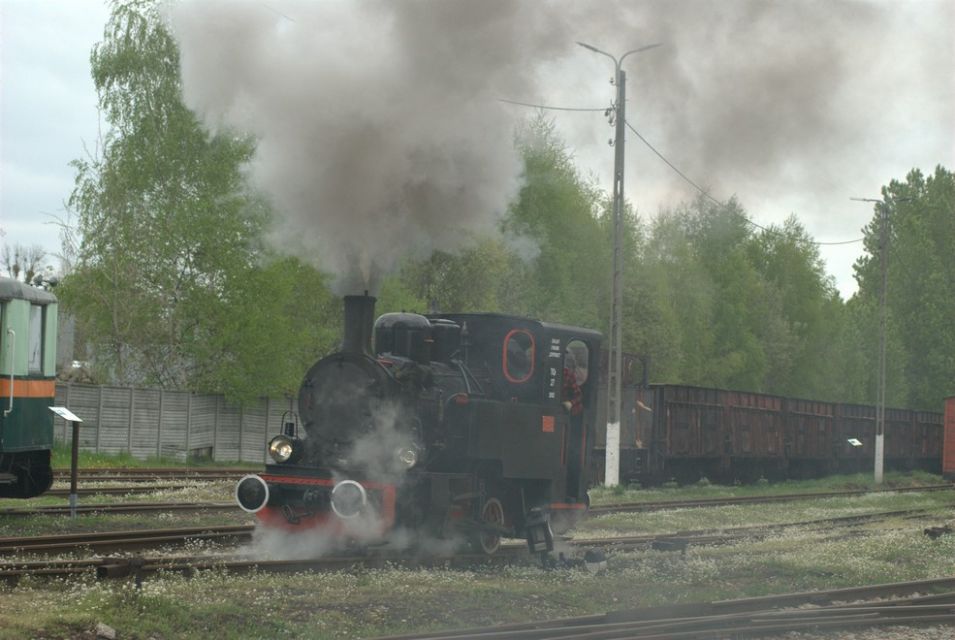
(492, 513)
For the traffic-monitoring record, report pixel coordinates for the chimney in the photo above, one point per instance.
(359, 321)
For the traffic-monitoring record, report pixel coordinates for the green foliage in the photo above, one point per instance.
(568, 279)
(552, 261)
(921, 278)
(467, 281)
(62, 456)
(731, 307)
(172, 283)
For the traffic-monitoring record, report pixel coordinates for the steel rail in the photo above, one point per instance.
(737, 618)
(120, 491)
(207, 477)
(142, 566)
(154, 471)
(121, 540)
(127, 507)
(144, 538)
(719, 502)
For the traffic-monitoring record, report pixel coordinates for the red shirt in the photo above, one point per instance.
(570, 392)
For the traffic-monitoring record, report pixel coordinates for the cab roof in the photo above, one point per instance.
(582, 332)
(11, 289)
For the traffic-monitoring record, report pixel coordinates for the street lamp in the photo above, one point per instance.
(612, 464)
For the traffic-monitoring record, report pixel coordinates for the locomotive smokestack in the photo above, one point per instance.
(359, 321)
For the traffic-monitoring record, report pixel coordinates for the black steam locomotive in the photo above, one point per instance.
(454, 426)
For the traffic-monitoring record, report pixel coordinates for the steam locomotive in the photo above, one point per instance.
(453, 426)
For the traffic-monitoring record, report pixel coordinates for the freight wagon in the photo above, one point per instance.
(684, 433)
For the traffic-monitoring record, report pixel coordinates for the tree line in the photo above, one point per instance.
(174, 284)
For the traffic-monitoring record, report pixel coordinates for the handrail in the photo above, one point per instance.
(13, 357)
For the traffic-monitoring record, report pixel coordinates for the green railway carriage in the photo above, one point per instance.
(28, 327)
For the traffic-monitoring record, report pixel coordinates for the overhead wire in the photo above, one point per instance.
(668, 163)
(707, 195)
(542, 106)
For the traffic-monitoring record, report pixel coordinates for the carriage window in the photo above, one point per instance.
(518, 356)
(576, 359)
(36, 339)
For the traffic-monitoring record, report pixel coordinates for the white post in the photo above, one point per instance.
(612, 466)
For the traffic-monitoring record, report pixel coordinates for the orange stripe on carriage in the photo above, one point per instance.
(28, 388)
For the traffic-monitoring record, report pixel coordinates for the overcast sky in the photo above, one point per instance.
(791, 107)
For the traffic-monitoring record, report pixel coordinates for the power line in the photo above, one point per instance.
(702, 191)
(549, 108)
(707, 195)
(672, 166)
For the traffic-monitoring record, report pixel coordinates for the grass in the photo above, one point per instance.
(365, 603)
(730, 516)
(88, 459)
(703, 489)
(392, 600)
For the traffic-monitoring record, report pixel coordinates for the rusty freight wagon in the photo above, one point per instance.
(685, 433)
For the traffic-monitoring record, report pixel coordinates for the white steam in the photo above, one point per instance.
(375, 454)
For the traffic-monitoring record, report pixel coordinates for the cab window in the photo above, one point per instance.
(35, 352)
(518, 358)
(576, 359)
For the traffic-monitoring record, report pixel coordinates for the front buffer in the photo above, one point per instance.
(344, 508)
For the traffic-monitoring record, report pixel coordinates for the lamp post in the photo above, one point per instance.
(612, 466)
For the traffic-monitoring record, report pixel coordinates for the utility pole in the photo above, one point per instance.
(880, 406)
(615, 349)
(883, 209)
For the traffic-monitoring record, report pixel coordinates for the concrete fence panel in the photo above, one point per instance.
(168, 424)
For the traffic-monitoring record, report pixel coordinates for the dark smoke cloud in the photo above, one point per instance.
(757, 86)
(795, 101)
(378, 126)
(380, 133)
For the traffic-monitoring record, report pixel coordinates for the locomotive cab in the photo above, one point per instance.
(527, 443)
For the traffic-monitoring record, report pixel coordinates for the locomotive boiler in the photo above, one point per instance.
(465, 427)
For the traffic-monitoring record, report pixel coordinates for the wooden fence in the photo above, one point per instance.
(168, 424)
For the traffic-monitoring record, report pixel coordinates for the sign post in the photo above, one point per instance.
(74, 421)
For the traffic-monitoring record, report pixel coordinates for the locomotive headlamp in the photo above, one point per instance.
(282, 448)
(408, 456)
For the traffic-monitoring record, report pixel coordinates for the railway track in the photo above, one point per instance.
(149, 474)
(659, 505)
(845, 608)
(118, 491)
(749, 617)
(127, 507)
(115, 541)
(141, 567)
(153, 472)
(137, 540)
(631, 507)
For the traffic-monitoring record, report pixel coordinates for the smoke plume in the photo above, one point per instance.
(379, 133)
